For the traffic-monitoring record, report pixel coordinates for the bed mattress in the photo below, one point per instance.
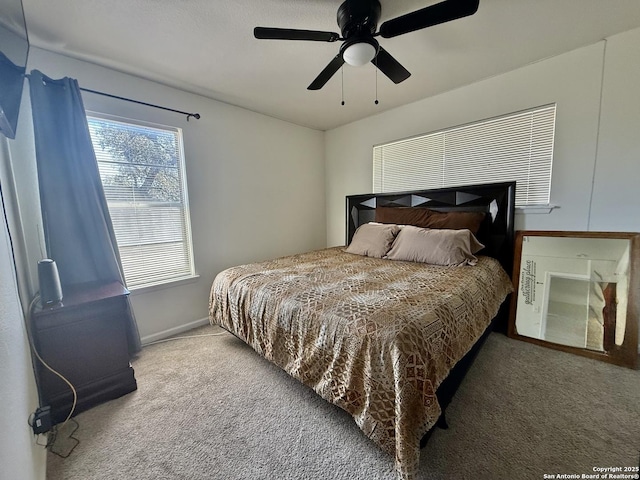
(373, 336)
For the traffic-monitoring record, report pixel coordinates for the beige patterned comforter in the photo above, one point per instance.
(375, 337)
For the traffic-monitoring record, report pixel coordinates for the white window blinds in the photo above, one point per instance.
(142, 172)
(516, 147)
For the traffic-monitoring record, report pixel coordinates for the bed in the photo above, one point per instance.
(384, 338)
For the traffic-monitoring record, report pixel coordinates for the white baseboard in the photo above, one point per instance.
(173, 331)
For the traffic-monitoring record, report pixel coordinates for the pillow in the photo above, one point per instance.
(435, 246)
(373, 240)
(427, 218)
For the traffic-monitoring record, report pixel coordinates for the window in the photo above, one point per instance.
(143, 175)
(516, 147)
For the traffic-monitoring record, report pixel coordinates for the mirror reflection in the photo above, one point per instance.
(574, 291)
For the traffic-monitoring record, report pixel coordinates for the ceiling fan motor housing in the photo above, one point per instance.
(358, 17)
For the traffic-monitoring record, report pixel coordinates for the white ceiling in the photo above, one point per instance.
(207, 47)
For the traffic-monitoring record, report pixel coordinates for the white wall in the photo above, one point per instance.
(615, 197)
(23, 205)
(572, 80)
(256, 184)
(20, 457)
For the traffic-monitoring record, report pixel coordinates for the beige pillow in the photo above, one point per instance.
(435, 246)
(373, 239)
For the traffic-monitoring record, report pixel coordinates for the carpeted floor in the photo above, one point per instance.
(211, 408)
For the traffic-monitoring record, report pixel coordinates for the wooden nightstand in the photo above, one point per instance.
(84, 338)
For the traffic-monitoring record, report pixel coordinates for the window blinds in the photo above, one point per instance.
(516, 147)
(142, 172)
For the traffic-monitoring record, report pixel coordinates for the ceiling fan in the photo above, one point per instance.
(358, 21)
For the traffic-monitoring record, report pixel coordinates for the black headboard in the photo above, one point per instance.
(497, 200)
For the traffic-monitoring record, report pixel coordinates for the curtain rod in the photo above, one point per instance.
(189, 115)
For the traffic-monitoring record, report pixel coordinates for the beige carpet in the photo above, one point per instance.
(211, 408)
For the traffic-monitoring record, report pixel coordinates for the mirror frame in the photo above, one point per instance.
(625, 355)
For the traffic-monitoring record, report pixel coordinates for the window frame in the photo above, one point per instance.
(429, 152)
(182, 174)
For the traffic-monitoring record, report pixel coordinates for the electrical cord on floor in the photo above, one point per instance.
(53, 437)
(55, 431)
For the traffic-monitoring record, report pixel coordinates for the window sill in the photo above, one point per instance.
(535, 209)
(135, 291)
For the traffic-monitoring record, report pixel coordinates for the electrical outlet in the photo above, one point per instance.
(42, 420)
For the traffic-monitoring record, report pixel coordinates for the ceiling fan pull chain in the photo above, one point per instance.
(376, 102)
(342, 74)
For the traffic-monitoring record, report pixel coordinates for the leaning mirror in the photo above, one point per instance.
(578, 292)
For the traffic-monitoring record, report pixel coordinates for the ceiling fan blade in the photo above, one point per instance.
(327, 73)
(269, 33)
(427, 17)
(390, 66)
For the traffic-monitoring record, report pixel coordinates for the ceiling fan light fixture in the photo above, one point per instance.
(360, 53)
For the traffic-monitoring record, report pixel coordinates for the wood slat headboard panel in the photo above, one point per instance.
(497, 200)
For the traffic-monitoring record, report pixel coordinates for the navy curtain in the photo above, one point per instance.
(77, 226)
